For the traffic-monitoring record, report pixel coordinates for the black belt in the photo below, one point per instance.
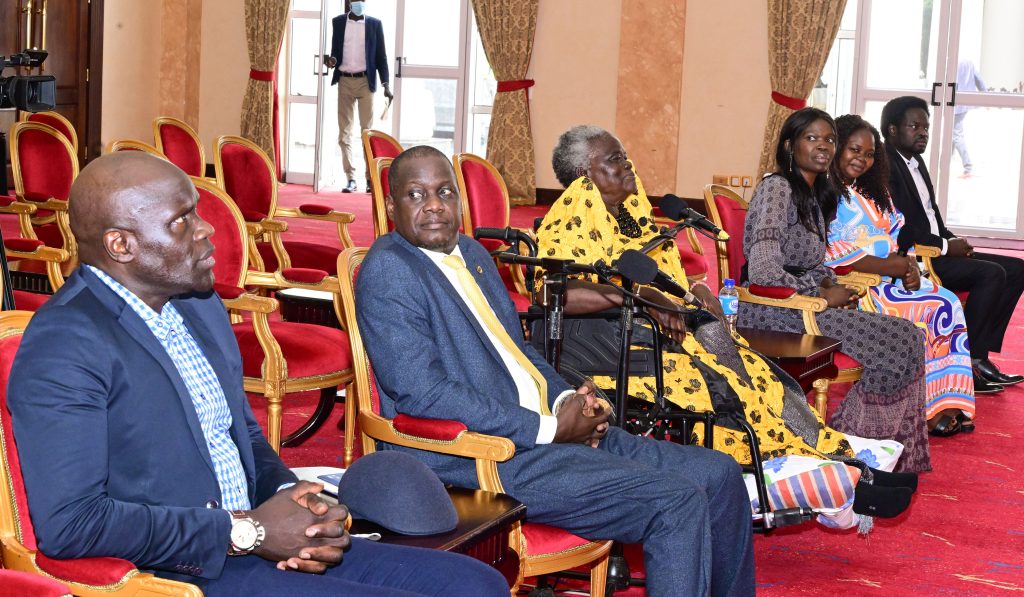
(359, 74)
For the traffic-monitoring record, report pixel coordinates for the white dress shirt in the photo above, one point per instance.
(353, 50)
(529, 397)
(926, 198)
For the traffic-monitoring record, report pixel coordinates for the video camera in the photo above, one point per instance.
(31, 93)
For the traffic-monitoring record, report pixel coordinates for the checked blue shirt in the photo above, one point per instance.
(203, 387)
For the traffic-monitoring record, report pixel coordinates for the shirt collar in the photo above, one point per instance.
(161, 324)
(355, 19)
(438, 257)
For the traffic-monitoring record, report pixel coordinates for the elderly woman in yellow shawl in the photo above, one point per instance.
(603, 212)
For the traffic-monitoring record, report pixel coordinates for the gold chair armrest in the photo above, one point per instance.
(270, 225)
(486, 450)
(927, 251)
(18, 208)
(43, 253)
(276, 281)
(252, 303)
(340, 218)
(860, 280)
(800, 302)
(50, 204)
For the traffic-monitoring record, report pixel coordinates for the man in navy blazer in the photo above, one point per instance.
(434, 358)
(995, 282)
(135, 435)
(358, 57)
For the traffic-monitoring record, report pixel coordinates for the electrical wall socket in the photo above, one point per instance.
(719, 179)
(747, 181)
(734, 181)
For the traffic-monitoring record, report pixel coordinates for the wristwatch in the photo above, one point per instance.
(246, 534)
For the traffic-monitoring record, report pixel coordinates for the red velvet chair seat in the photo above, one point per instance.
(29, 301)
(542, 539)
(252, 215)
(14, 583)
(310, 255)
(89, 571)
(845, 361)
(304, 275)
(309, 349)
(436, 429)
(521, 302)
(26, 245)
(777, 292)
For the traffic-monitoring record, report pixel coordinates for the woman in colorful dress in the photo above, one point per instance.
(603, 212)
(863, 236)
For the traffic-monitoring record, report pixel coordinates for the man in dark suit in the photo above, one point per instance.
(995, 282)
(358, 56)
(446, 343)
(135, 435)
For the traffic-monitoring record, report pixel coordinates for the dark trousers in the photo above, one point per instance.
(369, 569)
(687, 505)
(995, 283)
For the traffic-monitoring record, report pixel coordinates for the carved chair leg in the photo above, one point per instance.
(274, 422)
(351, 405)
(821, 396)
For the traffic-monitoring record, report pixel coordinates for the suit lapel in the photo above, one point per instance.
(931, 193)
(140, 332)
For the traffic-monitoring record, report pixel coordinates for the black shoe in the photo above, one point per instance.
(887, 479)
(883, 502)
(984, 386)
(989, 371)
(350, 187)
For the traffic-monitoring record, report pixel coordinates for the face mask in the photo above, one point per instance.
(357, 8)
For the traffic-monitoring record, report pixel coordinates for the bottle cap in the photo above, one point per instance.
(729, 283)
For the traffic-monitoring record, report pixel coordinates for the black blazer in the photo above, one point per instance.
(376, 57)
(906, 199)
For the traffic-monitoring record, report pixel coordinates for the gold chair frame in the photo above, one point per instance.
(16, 556)
(26, 117)
(486, 450)
(133, 145)
(59, 207)
(379, 210)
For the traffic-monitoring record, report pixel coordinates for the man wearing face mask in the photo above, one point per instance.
(358, 57)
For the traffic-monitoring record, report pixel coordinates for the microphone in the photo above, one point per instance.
(641, 269)
(675, 208)
(508, 234)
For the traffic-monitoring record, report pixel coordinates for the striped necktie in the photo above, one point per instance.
(476, 296)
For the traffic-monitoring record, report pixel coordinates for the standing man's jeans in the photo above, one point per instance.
(350, 91)
(958, 141)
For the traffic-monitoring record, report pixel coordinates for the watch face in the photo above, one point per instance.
(244, 534)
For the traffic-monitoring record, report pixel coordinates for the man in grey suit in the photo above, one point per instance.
(436, 354)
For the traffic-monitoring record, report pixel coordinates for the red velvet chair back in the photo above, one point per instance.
(733, 217)
(230, 248)
(379, 189)
(248, 176)
(43, 162)
(55, 120)
(377, 144)
(484, 195)
(180, 144)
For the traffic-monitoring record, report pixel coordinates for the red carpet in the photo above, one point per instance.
(963, 535)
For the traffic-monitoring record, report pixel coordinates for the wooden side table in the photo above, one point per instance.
(485, 520)
(806, 357)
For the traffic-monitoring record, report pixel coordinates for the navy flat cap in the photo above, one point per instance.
(398, 492)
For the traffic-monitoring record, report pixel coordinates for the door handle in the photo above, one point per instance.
(398, 66)
(319, 61)
(952, 94)
(935, 87)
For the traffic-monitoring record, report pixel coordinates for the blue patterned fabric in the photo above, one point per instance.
(203, 387)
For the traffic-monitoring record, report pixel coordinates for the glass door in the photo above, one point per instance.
(942, 51)
(429, 73)
(304, 91)
(985, 109)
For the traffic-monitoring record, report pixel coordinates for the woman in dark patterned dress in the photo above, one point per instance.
(784, 242)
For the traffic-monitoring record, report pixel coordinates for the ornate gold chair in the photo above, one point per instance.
(133, 145)
(729, 211)
(56, 121)
(278, 357)
(86, 577)
(542, 549)
(180, 144)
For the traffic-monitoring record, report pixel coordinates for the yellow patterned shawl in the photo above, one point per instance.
(579, 227)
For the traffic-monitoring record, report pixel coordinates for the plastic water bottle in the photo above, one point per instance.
(730, 299)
